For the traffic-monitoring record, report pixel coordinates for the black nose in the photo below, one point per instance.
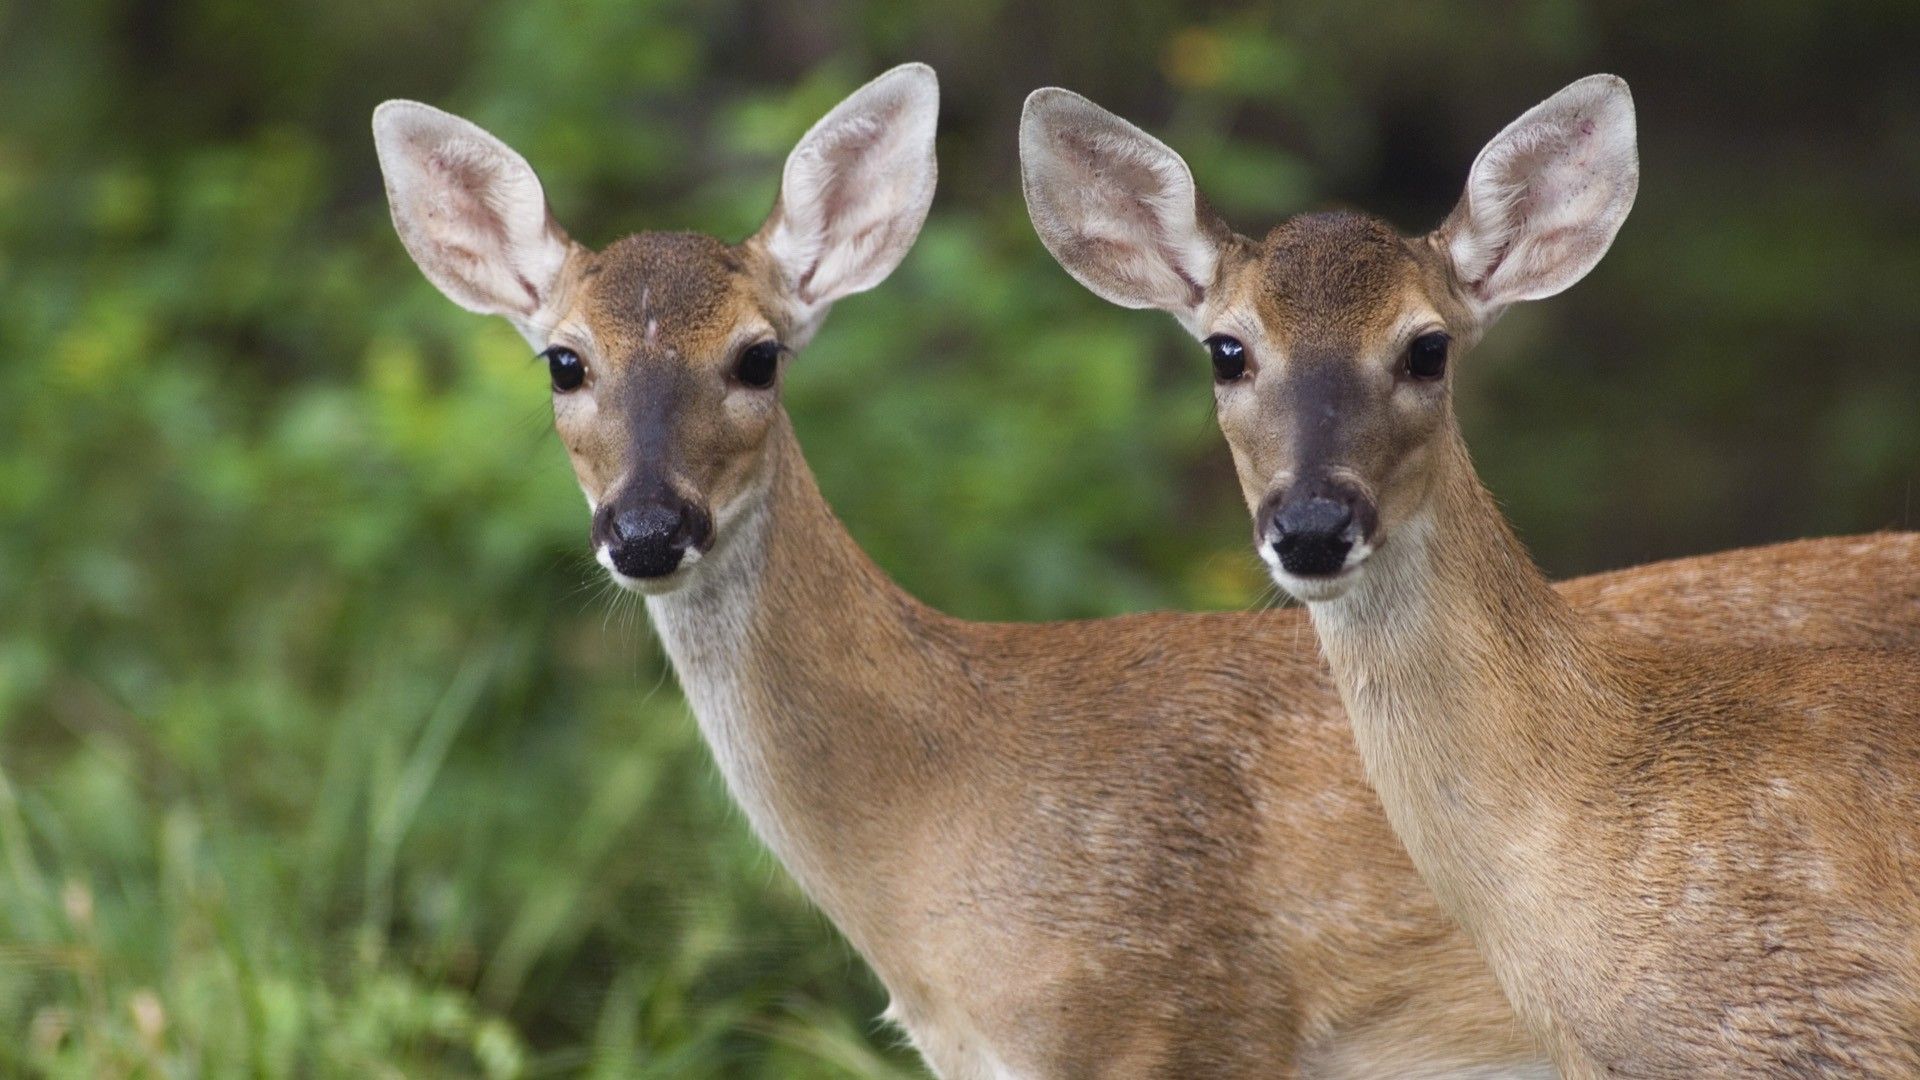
(1312, 536)
(648, 540)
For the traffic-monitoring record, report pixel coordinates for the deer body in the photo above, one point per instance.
(1124, 848)
(1078, 847)
(1117, 846)
(1681, 859)
(1682, 853)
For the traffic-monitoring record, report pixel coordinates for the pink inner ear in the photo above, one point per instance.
(468, 227)
(1126, 189)
(851, 159)
(458, 182)
(1546, 196)
(853, 156)
(1530, 256)
(1543, 171)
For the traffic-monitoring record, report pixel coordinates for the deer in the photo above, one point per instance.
(1128, 847)
(1681, 853)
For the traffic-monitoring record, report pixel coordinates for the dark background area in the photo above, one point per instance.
(323, 750)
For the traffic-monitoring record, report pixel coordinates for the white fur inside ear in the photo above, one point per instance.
(1547, 196)
(857, 188)
(1115, 205)
(469, 210)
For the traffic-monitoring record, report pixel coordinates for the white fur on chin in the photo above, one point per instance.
(1309, 590)
(647, 586)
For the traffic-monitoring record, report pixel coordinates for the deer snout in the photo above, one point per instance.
(650, 537)
(1315, 530)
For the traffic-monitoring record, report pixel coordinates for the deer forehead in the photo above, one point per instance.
(683, 295)
(1337, 280)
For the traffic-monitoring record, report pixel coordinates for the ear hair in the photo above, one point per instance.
(856, 190)
(1545, 198)
(469, 210)
(1116, 206)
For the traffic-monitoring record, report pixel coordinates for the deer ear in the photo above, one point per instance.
(469, 210)
(1545, 198)
(856, 190)
(1116, 207)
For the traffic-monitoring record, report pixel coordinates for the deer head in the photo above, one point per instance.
(666, 350)
(1333, 338)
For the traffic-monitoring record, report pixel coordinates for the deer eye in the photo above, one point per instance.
(566, 368)
(1229, 358)
(758, 364)
(1427, 356)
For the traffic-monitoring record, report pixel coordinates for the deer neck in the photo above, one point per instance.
(820, 686)
(1478, 698)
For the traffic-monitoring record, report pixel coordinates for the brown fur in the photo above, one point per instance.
(1130, 847)
(658, 317)
(1684, 853)
(1331, 276)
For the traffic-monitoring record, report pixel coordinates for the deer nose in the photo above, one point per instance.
(1310, 537)
(650, 539)
(1311, 533)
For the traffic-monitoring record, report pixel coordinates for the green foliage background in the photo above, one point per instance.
(323, 752)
